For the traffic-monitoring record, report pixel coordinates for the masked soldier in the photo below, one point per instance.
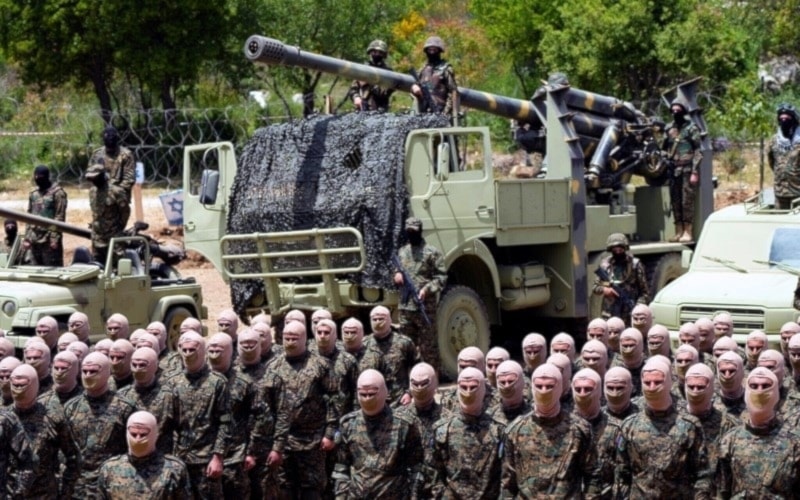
(16, 455)
(120, 356)
(144, 472)
(682, 147)
(110, 210)
(44, 245)
(782, 160)
(38, 356)
(494, 358)
(617, 388)
(119, 164)
(366, 96)
(624, 282)
(438, 78)
(7, 366)
(11, 229)
(65, 371)
(78, 323)
(511, 387)
(391, 353)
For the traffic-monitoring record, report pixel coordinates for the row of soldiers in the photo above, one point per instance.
(233, 414)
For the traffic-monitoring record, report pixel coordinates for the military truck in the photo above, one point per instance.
(746, 262)
(124, 284)
(518, 252)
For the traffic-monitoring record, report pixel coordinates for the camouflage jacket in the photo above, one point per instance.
(467, 456)
(345, 374)
(425, 265)
(108, 205)
(51, 204)
(424, 419)
(268, 401)
(662, 451)
(631, 277)
(154, 476)
(376, 97)
(787, 174)
(759, 462)
(47, 432)
(733, 407)
(16, 455)
(441, 82)
(306, 413)
(491, 399)
(377, 457)
(605, 432)
(682, 144)
(121, 168)
(242, 394)
(617, 418)
(169, 364)
(97, 425)
(715, 424)
(60, 399)
(507, 415)
(160, 401)
(549, 456)
(202, 415)
(394, 356)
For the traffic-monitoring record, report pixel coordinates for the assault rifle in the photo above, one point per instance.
(624, 301)
(428, 103)
(409, 290)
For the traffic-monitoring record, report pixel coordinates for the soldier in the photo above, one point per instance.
(755, 343)
(438, 78)
(660, 449)
(548, 451)
(269, 351)
(249, 362)
(38, 356)
(64, 340)
(318, 316)
(705, 330)
(730, 391)
(144, 472)
(424, 265)
(96, 421)
(391, 353)
(793, 398)
(725, 344)
(598, 330)
(11, 230)
(117, 327)
(565, 367)
(345, 366)
(191, 324)
(688, 333)
(511, 387)
(494, 357)
(119, 165)
(7, 365)
(148, 393)
(685, 357)
(788, 330)
(773, 361)
(469, 357)
(228, 323)
(78, 323)
(723, 325)
(110, 211)
(120, 356)
(781, 160)
(594, 355)
(658, 342)
(615, 327)
(16, 455)
(47, 331)
(624, 281)
(307, 421)
(761, 458)
(379, 451)
(563, 343)
(80, 350)
(468, 452)
(617, 389)
(366, 96)
(202, 411)
(46, 429)
(103, 346)
(44, 245)
(632, 357)
(6, 348)
(682, 148)
(642, 318)
(534, 352)
(66, 370)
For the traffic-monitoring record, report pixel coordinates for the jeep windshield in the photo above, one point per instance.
(724, 247)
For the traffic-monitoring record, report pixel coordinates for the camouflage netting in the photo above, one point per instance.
(325, 172)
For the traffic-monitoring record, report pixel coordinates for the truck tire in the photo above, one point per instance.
(663, 271)
(172, 320)
(461, 321)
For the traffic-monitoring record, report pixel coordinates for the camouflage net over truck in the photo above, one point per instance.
(326, 172)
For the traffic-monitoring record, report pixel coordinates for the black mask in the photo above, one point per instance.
(679, 115)
(619, 258)
(42, 183)
(377, 59)
(11, 231)
(787, 127)
(110, 137)
(434, 59)
(414, 237)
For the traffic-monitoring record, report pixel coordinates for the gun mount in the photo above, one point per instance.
(37, 220)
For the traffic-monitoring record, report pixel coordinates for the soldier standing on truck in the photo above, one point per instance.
(424, 265)
(624, 282)
(119, 164)
(786, 172)
(436, 79)
(10, 228)
(682, 148)
(110, 210)
(366, 96)
(43, 246)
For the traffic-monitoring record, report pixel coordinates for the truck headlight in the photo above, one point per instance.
(9, 308)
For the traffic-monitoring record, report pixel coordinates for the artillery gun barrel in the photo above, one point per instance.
(273, 52)
(37, 220)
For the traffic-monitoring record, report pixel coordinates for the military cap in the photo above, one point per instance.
(414, 223)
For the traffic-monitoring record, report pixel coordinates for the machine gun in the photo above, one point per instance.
(624, 301)
(428, 102)
(409, 291)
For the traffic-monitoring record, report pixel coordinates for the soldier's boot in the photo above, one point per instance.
(678, 232)
(686, 237)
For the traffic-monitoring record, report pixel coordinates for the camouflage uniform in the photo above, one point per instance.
(393, 356)
(605, 432)
(169, 364)
(467, 456)
(121, 169)
(97, 425)
(785, 164)
(378, 456)
(203, 418)
(345, 374)
(159, 400)
(549, 456)
(759, 462)
(108, 206)
(441, 82)
(425, 265)
(631, 277)
(52, 204)
(449, 398)
(60, 399)
(715, 424)
(373, 97)
(682, 145)
(662, 451)
(507, 415)
(263, 481)
(618, 418)
(47, 432)
(636, 375)
(154, 476)
(242, 394)
(424, 419)
(304, 417)
(16, 455)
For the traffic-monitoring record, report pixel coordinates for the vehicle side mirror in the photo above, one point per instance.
(443, 161)
(686, 258)
(208, 187)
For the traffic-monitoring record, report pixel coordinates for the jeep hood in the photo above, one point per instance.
(772, 289)
(28, 294)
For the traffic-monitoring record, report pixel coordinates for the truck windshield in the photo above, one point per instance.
(723, 247)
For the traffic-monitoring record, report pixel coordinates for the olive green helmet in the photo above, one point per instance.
(434, 41)
(616, 240)
(379, 45)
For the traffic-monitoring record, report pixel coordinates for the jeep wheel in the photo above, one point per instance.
(461, 321)
(172, 320)
(663, 272)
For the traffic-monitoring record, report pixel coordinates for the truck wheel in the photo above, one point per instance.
(461, 321)
(665, 270)
(172, 320)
